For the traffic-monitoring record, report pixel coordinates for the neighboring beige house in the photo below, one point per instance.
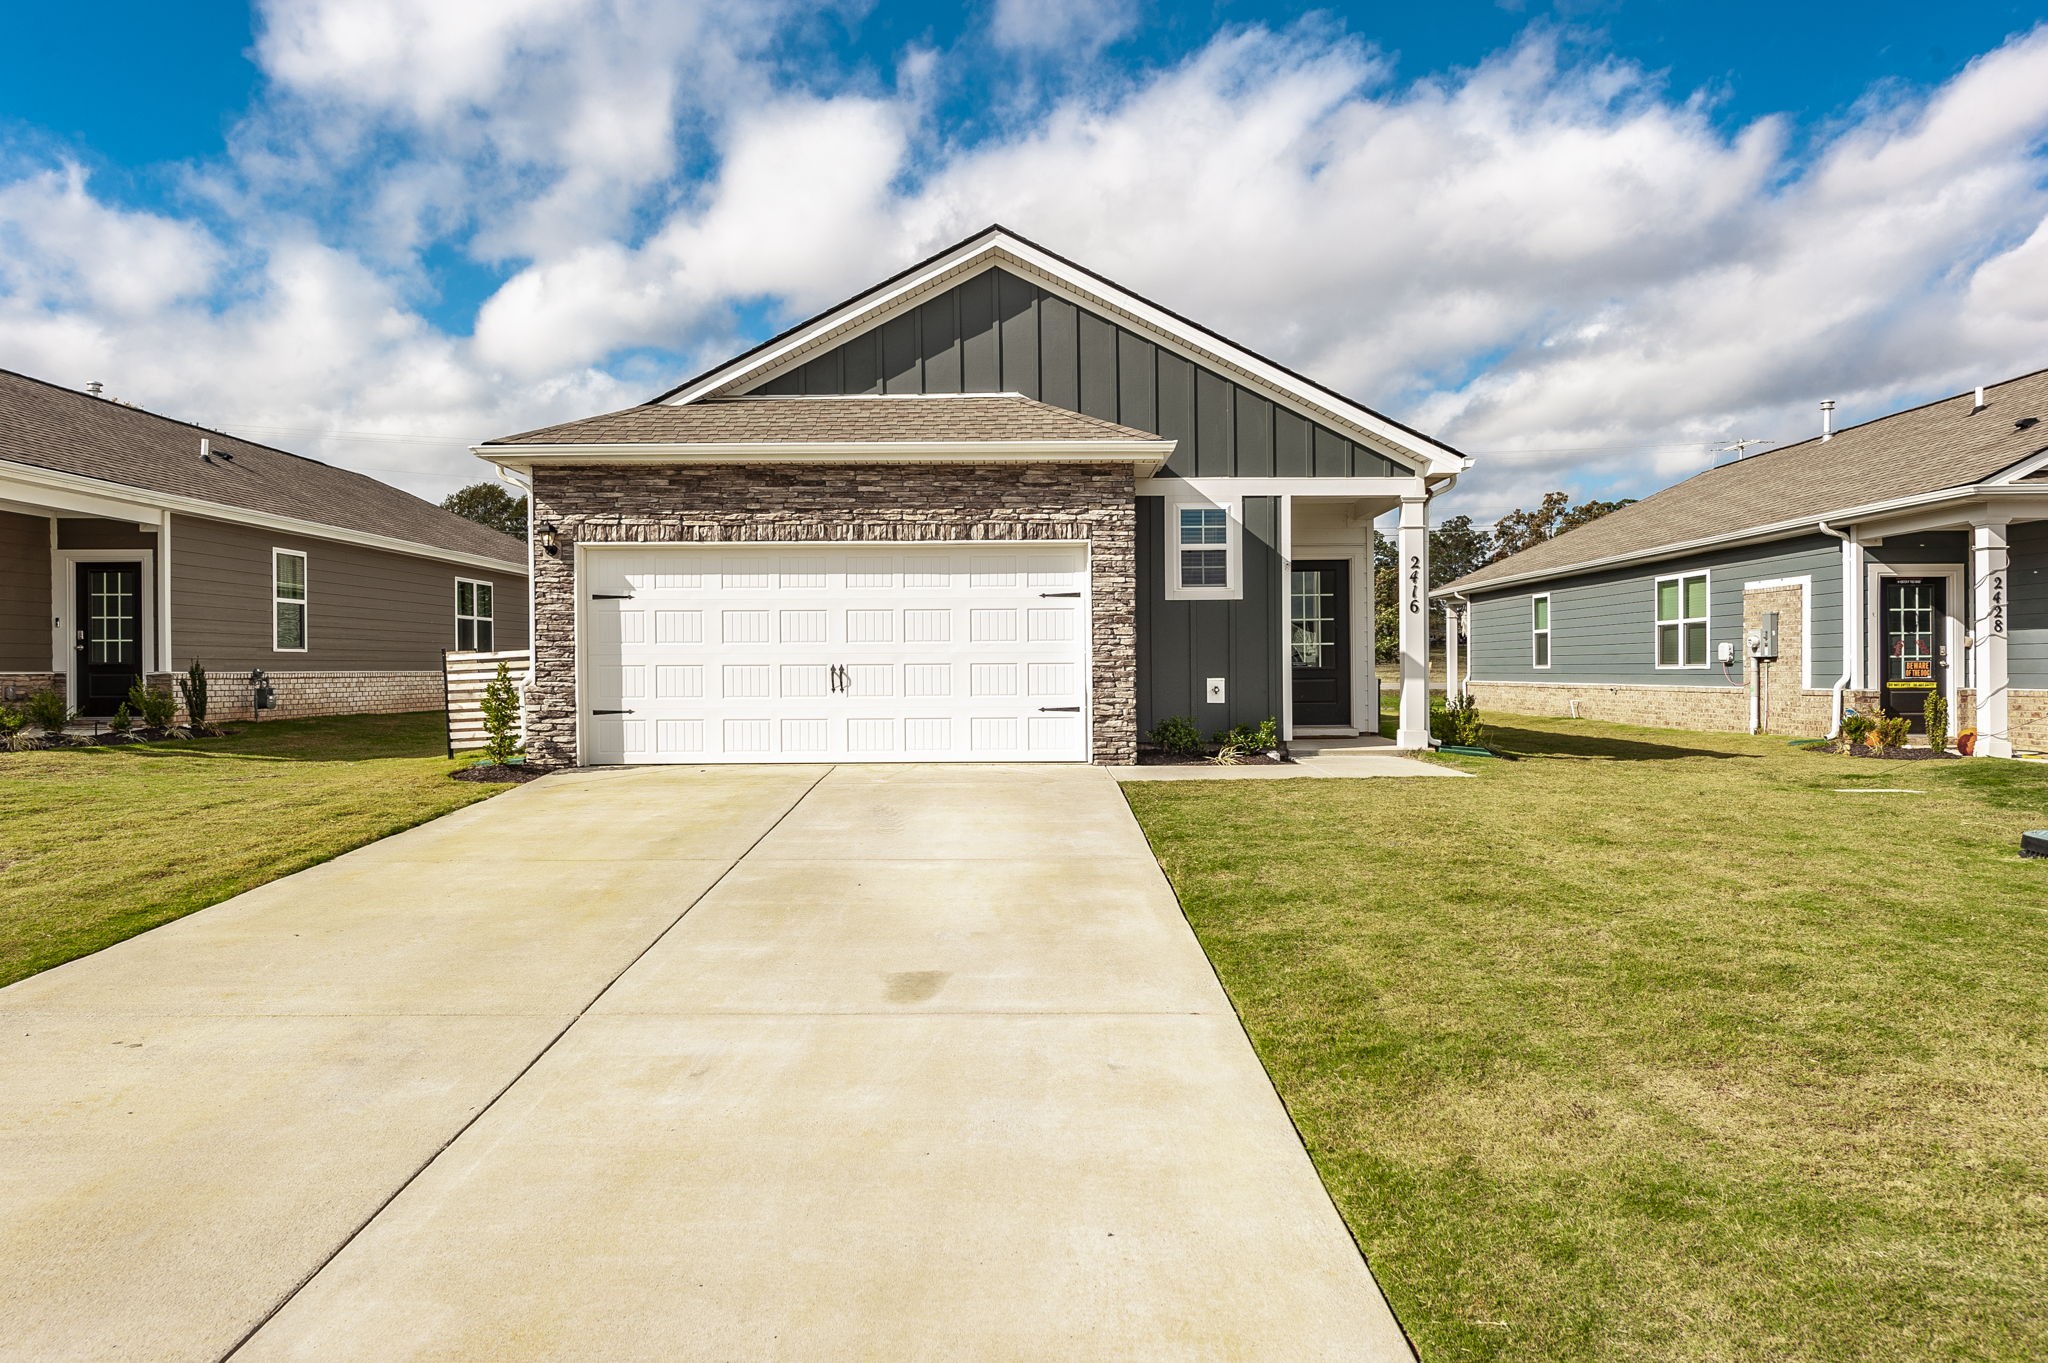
(1900, 559)
(132, 544)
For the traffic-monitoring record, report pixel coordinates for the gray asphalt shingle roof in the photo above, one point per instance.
(66, 431)
(1922, 450)
(951, 418)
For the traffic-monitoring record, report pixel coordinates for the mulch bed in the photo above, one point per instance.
(489, 774)
(1885, 754)
(1151, 757)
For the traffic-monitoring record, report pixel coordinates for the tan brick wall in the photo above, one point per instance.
(847, 503)
(2027, 715)
(1724, 708)
(1792, 708)
(231, 695)
(21, 685)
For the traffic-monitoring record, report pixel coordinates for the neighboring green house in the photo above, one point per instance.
(1902, 558)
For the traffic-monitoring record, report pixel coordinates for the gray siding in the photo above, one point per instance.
(368, 610)
(1939, 546)
(1602, 625)
(998, 332)
(24, 593)
(2027, 653)
(1183, 643)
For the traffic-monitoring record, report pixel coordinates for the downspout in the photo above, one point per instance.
(1852, 622)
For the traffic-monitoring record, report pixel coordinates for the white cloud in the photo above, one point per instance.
(1061, 26)
(1557, 266)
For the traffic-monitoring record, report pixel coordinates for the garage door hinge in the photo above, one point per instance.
(611, 712)
(1043, 595)
(611, 596)
(1059, 709)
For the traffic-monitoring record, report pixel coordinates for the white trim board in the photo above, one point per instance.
(1144, 456)
(1873, 623)
(998, 247)
(152, 505)
(64, 608)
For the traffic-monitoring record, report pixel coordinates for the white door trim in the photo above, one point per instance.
(1873, 620)
(64, 609)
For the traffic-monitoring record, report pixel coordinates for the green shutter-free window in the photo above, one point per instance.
(1696, 644)
(1696, 598)
(1667, 645)
(1542, 612)
(1667, 600)
(1543, 650)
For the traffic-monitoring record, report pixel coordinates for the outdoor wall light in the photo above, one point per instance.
(550, 541)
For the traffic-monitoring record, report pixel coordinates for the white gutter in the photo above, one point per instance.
(1852, 619)
(1756, 534)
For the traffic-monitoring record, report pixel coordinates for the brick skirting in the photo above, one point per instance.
(1725, 708)
(22, 685)
(846, 503)
(2027, 714)
(231, 695)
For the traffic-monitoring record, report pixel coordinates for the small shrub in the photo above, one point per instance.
(501, 718)
(1937, 722)
(1177, 734)
(157, 709)
(1261, 737)
(48, 712)
(1457, 724)
(1856, 729)
(193, 685)
(122, 721)
(1892, 731)
(12, 722)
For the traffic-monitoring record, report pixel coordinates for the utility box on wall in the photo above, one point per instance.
(1763, 644)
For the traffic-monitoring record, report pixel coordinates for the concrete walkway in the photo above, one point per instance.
(867, 1063)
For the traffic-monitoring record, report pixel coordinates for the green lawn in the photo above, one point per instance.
(1652, 1046)
(98, 844)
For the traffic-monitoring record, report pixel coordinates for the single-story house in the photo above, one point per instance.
(1903, 558)
(995, 508)
(132, 544)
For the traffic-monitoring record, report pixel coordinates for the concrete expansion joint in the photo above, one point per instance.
(539, 1055)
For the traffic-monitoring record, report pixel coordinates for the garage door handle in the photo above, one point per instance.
(1043, 595)
(611, 596)
(611, 712)
(1059, 709)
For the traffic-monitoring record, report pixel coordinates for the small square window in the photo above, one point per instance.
(1199, 548)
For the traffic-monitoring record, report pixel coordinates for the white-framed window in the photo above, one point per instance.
(473, 623)
(1539, 630)
(288, 600)
(1682, 620)
(1201, 551)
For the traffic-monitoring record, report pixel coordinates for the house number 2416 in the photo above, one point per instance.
(1415, 584)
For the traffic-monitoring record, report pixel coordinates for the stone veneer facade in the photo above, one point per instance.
(22, 685)
(843, 503)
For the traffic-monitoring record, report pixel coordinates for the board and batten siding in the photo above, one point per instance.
(2026, 653)
(1181, 644)
(24, 593)
(998, 332)
(368, 610)
(1603, 625)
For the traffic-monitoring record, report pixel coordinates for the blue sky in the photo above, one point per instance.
(1588, 242)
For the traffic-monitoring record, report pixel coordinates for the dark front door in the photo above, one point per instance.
(109, 635)
(1915, 615)
(1319, 634)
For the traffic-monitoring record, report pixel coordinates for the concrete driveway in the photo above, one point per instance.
(858, 1063)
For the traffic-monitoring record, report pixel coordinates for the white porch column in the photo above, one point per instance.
(1413, 731)
(1452, 620)
(1992, 627)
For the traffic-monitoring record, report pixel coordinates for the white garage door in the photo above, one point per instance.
(822, 653)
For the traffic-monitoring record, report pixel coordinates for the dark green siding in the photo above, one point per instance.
(998, 332)
(1183, 643)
